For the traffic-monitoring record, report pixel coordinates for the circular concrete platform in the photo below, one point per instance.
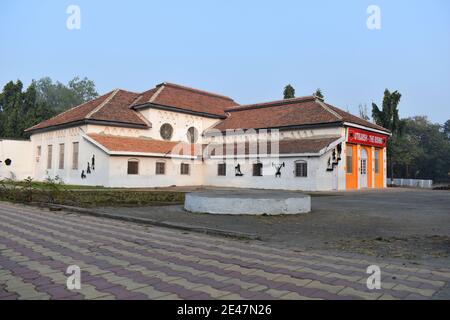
(254, 202)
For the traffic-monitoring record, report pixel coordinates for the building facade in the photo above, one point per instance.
(173, 135)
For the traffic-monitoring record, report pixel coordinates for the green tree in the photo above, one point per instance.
(11, 109)
(423, 151)
(318, 93)
(447, 128)
(388, 117)
(60, 97)
(289, 92)
(42, 99)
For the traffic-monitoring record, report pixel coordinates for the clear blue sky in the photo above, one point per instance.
(248, 50)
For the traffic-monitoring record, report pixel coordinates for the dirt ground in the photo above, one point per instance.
(393, 223)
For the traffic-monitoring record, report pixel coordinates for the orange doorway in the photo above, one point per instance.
(351, 166)
(378, 167)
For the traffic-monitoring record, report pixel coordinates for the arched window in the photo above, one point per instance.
(301, 168)
(192, 135)
(166, 131)
(133, 166)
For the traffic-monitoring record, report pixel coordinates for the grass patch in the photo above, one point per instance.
(54, 191)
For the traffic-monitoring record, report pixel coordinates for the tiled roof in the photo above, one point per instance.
(110, 107)
(185, 98)
(117, 106)
(348, 117)
(289, 146)
(290, 112)
(144, 145)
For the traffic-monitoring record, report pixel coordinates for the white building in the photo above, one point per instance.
(172, 135)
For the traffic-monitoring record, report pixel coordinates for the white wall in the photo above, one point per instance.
(19, 152)
(318, 177)
(180, 123)
(68, 175)
(118, 176)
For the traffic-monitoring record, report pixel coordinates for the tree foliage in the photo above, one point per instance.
(289, 92)
(417, 148)
(446, 128)
(388, 117)
(60, 97)
(423, 152)
(42, 99)
(319, 93)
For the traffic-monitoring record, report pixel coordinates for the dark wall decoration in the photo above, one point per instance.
(88, 170)
(83, 176)
(278, 168)
(8, 162)
(335, 157)
(93, 162)
(237, 171)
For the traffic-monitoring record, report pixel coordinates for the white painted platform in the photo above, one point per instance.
(253, 202)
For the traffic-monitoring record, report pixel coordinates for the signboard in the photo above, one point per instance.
(367, 138)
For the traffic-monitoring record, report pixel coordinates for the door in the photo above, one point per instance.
(363, 169)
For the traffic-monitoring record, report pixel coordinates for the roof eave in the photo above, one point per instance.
(84, 122)
(290, 127)
(351, 124)
(176, 109)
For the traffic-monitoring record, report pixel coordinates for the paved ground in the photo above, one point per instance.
(121, 260)
(396, 223)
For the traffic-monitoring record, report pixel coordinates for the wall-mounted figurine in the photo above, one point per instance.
(93, 162)
(339, 151)
(237, 171)
(278, 168)
(88, 170)
(330, 164)
(83, 176)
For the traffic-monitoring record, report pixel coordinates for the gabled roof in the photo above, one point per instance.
(303, 111)
(131, 145)
(184, 98)
(111, 107)
(118, 107)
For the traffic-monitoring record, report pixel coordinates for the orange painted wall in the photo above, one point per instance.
(380, 175)
(351, 179)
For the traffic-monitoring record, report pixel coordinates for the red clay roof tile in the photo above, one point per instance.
(288, 146)
(145, 145)
(181, 97)
(285, 113)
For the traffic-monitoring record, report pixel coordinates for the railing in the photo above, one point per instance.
(411, 183)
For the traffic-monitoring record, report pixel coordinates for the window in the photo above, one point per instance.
(192, 135)
(38, 153)
(184, 168)
(133, 167)
(257, 169)
(166, 131)
(377, 161)
(49, 156)
(160, 168)
(221, 169)
(349, 159)
(75, 150)
(61, 156)
(301, 169)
